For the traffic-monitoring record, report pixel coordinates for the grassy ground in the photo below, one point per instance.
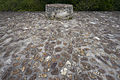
(79, 5)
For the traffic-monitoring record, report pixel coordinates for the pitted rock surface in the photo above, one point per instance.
(59, 11)
(86, 47)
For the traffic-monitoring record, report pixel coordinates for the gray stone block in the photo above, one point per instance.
(59, 11)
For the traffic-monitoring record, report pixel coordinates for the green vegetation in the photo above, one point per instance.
(79, 5)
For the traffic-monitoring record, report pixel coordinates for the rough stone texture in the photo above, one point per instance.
(59, 11)
(87, 47)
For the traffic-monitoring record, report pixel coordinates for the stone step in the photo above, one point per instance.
(59, 11)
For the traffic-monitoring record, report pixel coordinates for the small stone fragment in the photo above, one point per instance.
(56, 78)
(93, 76)
(53, 65)
(50, 78)
(65, 43)
(24, 78)
(70, 76)
(31, 58)
(48, 64)
(14, 55)
(27, 55)
(55, 71)
(45, 54)
(16, 71)
(6, 74)
(59, 42)
(58, 49)
(70, 49)
(57, 56)
(23, 68)
(97, 38)
(84, 59)
(99, 78)
(36, 64)
(107, 51)
(106, 57)
(64, 71)
(47, 58)
(101, 71)
(46, 70)
(68, 64)
(61, 64)
(18, 58)
(84, 76)
(111, 72)
(41, 59)
(108, 77)
(54, 59)
(19, 76)
(8, 61)
(36, 57)
(76, 77)
(86, 66)
(118, 76)
(93, 60)
(36, 70)
(53, 43)
(28, 71)
(82, 52)
(73, 70)
(39, 50)
(24, 62)
(94, 67)
(12, 78)
(114, 64)
(40, 45)
(6, 55)
(75, 58)
(43, 75)
(66, 55)
(105, 62)
(33, 77)
(16, 64)
(44, 63)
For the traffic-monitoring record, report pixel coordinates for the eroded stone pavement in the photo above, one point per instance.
(86, 47)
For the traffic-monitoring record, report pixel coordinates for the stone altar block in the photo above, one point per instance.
(59, 11)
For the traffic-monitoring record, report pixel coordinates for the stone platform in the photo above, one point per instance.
(86, 47)
(59, 11)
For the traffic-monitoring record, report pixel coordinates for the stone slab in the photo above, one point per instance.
(59, 11)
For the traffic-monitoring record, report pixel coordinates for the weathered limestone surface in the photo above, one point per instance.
(86, 47)
(59, 11)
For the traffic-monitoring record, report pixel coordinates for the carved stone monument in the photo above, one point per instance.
(59, 11)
